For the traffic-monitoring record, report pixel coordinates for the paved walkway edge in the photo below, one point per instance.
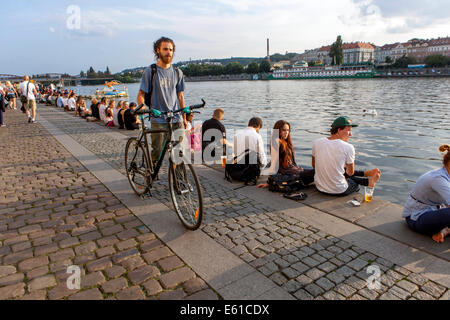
(411, 258)
(226, 273)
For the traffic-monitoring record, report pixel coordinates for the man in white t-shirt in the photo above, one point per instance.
(71, 103)
(333, 158)
(28, 89)
(249, 138)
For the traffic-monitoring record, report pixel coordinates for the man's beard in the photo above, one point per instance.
(164, 59)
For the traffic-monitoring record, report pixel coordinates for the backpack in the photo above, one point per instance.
(243, 172)
(148, 96)
(285, 183)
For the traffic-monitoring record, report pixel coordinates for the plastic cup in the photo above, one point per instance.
(224, 161)
(368, 194)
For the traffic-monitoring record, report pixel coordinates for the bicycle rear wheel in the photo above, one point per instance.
(186, 193)
(137, 166)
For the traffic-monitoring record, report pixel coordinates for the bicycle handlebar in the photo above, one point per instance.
(156, 113)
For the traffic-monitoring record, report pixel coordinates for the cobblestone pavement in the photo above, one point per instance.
(303, 260)
(54, 213)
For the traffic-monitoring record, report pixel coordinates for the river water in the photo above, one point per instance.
(402, 139)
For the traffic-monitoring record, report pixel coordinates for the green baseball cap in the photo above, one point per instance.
(342, 122)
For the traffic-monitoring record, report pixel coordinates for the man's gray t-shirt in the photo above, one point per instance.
(166, 87)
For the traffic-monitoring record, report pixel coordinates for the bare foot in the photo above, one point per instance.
(439, 237)
(263, 185)
(373, 179)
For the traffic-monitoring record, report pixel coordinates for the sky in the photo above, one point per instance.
(60, 36)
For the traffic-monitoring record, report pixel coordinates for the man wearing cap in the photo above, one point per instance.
(334, 161)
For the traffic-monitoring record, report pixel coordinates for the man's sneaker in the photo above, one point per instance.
(33, 121)
(29, 120)
(2, 125)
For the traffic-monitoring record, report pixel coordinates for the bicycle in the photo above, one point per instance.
(184, 185)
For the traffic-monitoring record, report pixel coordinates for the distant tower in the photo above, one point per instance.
(268, 54)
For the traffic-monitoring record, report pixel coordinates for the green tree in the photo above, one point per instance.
(107, 72)
(252, 68)
(234, 68)
(404, 61)
(336, 52)
(91, 73)
(388, 59)
(264, 66)
(82, 74)
(437, 60)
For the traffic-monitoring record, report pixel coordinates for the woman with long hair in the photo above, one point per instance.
(427, 209)
(284, 157)
(11, 93)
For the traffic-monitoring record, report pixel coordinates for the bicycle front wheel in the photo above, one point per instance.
(137, 166)
(186, 193)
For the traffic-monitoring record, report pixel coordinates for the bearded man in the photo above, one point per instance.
(164, 93)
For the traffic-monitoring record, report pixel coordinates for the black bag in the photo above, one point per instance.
(285, 183)
(24, 97)
(244, 172)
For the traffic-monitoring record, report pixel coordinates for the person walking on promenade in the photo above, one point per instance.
(165, 84)
(427, 209)
(29, 92)
(11, 93)
(333, 158)
(2, 106)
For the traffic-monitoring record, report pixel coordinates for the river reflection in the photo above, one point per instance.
(402, 139)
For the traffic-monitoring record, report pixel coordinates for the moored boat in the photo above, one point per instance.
(323, 72)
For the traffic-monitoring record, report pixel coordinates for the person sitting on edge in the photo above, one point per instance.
(102, 108)
(427, 209)
(334, 161)
(116, 111)
(71, 104)
(249, 138)
(130, 120)
(120, 122)
(284, 159)
(59, 101)
(211, 129)
(94, 109)
(108, 119)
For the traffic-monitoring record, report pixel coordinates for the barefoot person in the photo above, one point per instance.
(427, 209)
(334, 161)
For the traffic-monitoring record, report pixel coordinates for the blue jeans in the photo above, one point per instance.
(431, 222)
(1, 116)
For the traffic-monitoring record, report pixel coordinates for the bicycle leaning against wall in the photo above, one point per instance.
(142, 170)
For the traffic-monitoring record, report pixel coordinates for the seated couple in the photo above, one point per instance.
(427, 209)
(333, 160)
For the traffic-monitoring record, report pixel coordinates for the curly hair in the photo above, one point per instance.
(446, 160)
(157, 45)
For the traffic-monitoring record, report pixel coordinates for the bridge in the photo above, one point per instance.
(53, 77)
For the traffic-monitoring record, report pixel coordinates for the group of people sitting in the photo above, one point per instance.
(427, 209)
(105, 111)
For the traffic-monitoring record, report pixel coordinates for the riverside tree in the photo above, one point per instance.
(437, 60)
(264, 66)
(336, 52)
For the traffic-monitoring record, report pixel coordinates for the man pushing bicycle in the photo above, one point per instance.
(162, 87)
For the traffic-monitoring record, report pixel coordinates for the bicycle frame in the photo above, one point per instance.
(169, 143)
